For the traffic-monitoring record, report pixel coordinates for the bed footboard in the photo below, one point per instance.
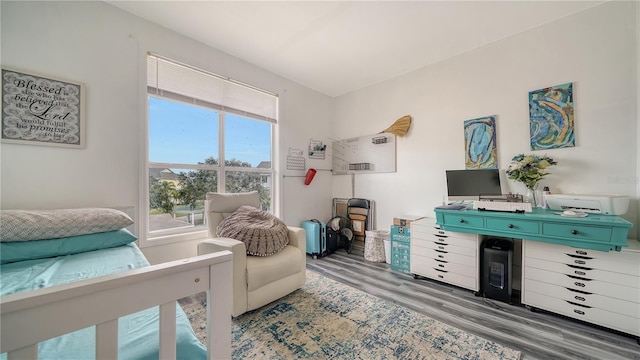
(29, 318)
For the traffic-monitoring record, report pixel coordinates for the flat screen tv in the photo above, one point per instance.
(470, 184)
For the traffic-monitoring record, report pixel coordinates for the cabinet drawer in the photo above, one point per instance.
(621, 292)
(605, 261)
(423, 227)
(422, 231)
(425, 231)
(419, 263)
(421, 241)
(466, 282)
(464, 221)
(453, 237)
(597, 316)
(453, 258)
(454, 240)
(451, 248)
(577, 232)
(424, 222)
(588, 273)
(618, 306)
(511, 225)
(609, 260)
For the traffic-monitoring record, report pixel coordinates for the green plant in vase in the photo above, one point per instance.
(529, 170)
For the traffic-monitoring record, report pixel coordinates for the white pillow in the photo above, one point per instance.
(25, 225)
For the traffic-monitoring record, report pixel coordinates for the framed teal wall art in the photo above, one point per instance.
(480, 143)
(551, 118)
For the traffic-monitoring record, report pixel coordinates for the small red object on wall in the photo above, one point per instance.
(310, 174)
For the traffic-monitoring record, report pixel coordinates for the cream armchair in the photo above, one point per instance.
(257, 280)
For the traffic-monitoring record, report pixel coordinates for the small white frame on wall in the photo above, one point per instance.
(42, 110)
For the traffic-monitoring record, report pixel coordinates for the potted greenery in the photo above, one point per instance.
(529, 170)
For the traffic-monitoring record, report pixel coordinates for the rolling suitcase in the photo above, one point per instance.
(316, 238)
(332, 241)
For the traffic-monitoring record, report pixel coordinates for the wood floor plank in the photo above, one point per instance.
(538, 334)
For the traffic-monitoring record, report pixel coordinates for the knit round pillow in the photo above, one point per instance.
(262, 233)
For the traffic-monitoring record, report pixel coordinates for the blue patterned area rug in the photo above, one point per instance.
(329, 320)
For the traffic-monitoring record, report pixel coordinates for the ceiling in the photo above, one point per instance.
(336, 47)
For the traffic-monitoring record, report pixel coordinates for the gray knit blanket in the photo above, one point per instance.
(262, 233)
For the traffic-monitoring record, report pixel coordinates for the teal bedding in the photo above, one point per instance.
(137, 333)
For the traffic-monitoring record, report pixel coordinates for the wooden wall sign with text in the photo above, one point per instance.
(41, 110)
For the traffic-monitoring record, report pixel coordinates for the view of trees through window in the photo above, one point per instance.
(181, 193)
(182, 138)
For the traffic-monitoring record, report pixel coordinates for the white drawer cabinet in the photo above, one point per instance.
(602, 288)
(445, 256)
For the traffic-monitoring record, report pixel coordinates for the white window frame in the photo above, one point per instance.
(186, 234)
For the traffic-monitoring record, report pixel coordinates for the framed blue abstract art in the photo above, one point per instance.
(480, 143)
(551, 117)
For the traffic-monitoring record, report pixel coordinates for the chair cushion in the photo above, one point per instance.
(264, 270)
(262, 233)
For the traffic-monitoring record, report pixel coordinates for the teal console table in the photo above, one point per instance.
(596, 232)
(583, 268)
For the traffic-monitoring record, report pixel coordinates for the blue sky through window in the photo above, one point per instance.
(186, 134)
(247, 140)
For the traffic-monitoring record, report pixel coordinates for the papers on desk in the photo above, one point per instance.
(573, 214)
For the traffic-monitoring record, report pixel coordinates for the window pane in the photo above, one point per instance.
(244, 181)
(247, 141)
(181, 133)
(176, 197)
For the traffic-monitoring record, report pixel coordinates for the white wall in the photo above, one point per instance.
(595, 49)
(104, 47)
(637, 149)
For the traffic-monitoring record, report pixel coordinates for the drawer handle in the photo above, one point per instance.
(441, 247)
(580, 298)
(580, 272)
(441, 232)
(581, 252)
(580, 262)
(579, 312)
(579, 284)
(574, 232)
(440, 265)
(440, 276)
(441, 257)
(510, 226)
(461, 221)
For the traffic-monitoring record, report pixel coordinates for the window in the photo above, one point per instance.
(205, 134)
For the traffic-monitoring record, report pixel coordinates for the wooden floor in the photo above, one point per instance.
(538, 335)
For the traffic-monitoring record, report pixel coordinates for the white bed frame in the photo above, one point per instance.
(29, 318)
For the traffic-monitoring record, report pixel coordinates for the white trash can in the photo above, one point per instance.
(387, 251)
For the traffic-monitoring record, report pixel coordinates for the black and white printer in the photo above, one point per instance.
(594, 204)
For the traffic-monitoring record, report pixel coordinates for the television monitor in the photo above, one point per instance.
(465, 185)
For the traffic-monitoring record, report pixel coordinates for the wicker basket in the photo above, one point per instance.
(374, 245)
